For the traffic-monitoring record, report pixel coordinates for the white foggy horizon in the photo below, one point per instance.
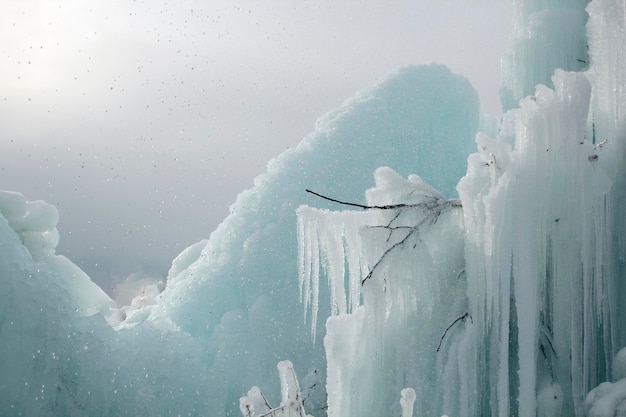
(141, 122)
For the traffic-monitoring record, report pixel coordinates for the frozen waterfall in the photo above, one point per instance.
(512, 306)
(477, 274)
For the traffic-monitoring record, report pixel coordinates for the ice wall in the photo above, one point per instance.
(240, 297)
(35, 223)
(403, 285)
(230, 310)
(508, 305)
(58, 361)
(534, 320)
(574, 303)
(539, 253)
(547, 34)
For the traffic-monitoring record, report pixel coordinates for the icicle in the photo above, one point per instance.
(396, 282)
(315, 277)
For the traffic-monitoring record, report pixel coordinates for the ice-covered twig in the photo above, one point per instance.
(435, 209)
(256, 405)
(273, 412)
(546, 334)
(454, 203)
(463, 317)
(392, 247)
(391, 229)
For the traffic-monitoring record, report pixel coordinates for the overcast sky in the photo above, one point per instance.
(142, 120)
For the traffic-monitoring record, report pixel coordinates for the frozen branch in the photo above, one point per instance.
(435, 211)
(273, 412)
(454, 203)
(391, 229)
(392, 247)
(463, 317)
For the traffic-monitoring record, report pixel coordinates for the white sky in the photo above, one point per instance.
(142, 120)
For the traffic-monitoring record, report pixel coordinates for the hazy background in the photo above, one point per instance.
(142, 120)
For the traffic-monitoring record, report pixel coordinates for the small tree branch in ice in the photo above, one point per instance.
(434, 209)
(392, 247)
(392, 229)
(463, 317)
(385, 207)
(434, 206)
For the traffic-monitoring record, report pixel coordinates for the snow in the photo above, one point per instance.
(504, 301)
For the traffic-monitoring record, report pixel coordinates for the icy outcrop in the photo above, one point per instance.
(609, 398)
(396, 281)
(57, 361)
(547, 35)
(231, 304)
(543, 256)
(35, 223)
(505, 302)
(240, 294)
(519, 286)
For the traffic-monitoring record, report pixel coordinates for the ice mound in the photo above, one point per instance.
(238, 292)
(35, 223)
(231, 304)
(609, 398)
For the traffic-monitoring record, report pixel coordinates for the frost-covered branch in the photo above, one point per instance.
(256, 405)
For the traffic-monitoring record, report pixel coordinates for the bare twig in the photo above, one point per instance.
(391, 229)
(384, 207)
(273, 411)
(267, 403)
(461, 273)
(433, 216)
(435, 205)
(463, 317)
(394, 218)
(392, 247)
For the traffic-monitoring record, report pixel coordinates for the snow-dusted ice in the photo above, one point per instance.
(35, 222)
(531, 320)
(479, 274)
(231, 307)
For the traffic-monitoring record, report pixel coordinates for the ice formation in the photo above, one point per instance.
(505, 301)
(35, 223)
(231, 306)
(291, 405)
(525, 293)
